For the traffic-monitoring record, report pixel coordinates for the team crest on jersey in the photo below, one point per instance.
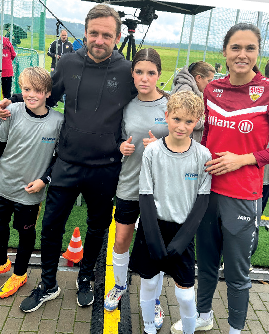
(112, 86)
(255, 92)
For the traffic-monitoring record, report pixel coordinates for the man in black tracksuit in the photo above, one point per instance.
(98, 84)
(64, 46)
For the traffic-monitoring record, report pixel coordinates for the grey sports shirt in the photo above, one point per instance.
(30, 145)
(174, 179)
(138, 118)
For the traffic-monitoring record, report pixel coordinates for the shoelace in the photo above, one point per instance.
(116, 293)
(36, 293)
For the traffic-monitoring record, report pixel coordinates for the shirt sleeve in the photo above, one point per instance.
(205, 178)
(4, 128)
(145, 177)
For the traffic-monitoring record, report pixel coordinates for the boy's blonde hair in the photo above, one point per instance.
(38, 77)
(187, 100)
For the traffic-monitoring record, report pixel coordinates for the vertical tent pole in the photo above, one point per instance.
(44, 34)
(190, 39)
(11, 21)
(259, 25)
(208, 31)
(179, 46)
(32, 27)
(237, 16)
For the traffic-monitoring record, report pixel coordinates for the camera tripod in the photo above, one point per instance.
(131, 48)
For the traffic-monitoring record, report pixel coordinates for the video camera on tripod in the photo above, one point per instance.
(146, 16)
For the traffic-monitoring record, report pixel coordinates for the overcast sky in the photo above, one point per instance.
(166, 28)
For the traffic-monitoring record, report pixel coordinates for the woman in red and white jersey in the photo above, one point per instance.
(236, 133)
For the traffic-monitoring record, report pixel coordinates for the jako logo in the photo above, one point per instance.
(191, 176)
(245, 126)
(244, 218)
(48, 140)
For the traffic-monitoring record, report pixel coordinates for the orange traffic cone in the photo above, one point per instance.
(74, 251)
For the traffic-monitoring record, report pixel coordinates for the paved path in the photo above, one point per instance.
(63, 315)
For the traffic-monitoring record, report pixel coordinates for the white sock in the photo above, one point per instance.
(148, 308)
(234, 331)
(120, 267)
(205, 316)
(187, 308)
(147, 302)
(159, 285)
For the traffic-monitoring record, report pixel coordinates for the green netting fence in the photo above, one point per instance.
(23, 22)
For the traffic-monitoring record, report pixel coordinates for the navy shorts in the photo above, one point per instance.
(180, 267)
(126, 212)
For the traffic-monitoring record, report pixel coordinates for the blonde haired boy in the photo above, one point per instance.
(174, 191)
(28, 139)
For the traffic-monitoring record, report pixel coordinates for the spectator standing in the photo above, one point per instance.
(7, 69)
(64, 46)
(195, 78)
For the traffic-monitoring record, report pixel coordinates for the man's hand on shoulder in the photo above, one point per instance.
(4, 113)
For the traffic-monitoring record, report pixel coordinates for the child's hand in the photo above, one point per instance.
(35, 186)
(152, 138)
(127, 148)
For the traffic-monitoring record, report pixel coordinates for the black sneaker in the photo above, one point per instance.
(38, 296)
(85, 291)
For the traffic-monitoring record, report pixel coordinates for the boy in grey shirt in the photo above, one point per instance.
(173, 196)
(28, 139)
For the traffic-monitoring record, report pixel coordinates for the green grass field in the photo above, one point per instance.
(79, 213)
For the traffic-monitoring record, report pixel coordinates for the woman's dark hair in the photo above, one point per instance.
(152, 56)
(201, 68)
(241, 27)
(266, 70)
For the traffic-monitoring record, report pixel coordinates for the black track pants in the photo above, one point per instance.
(229, 227)
(98, 187)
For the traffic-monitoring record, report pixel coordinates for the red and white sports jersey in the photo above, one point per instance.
(237, 121)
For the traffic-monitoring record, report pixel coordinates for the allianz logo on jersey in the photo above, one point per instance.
(191, 176)
(48, 140)
(160, 120)
(244, 126)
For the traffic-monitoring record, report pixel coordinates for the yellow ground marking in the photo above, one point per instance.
(111, 319)
(264, 217)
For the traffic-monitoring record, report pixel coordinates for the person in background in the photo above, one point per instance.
(218, 67)
(236, 133)
(77, 44)
(64, 46)
(7, 69)
(26, 158)
(143, 122)
(173, 196)
(194, 78)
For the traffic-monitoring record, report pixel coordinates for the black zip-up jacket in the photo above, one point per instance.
(63, 47)
(95, 96)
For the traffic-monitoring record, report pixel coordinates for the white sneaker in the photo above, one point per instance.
(113, 297)
(159, 315)
(201, 324)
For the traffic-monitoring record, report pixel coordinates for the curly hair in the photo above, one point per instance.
(191, 103)
(38, 77)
